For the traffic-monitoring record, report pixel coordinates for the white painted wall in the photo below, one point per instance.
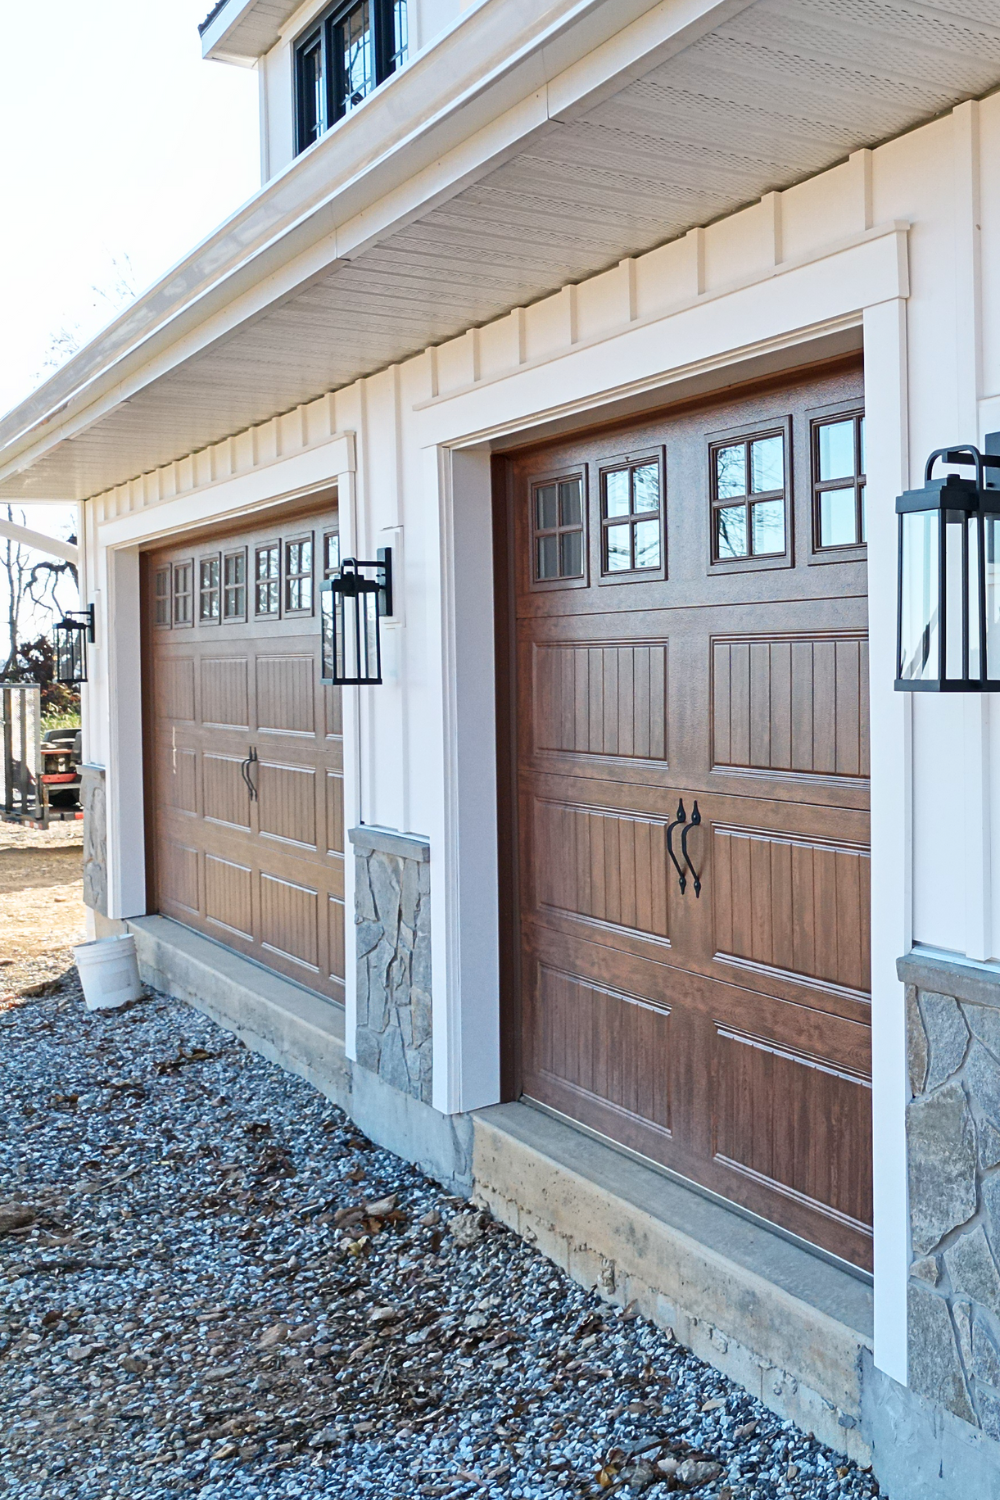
(900, 247)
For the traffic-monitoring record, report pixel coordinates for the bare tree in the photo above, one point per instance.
(108, 299)
(15, 561)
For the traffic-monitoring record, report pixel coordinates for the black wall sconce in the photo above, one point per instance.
(351, 605)
(69, 637)
(948, 606)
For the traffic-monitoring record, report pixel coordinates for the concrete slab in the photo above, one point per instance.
(788, 1326)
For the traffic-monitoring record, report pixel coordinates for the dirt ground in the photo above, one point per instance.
(41, 904)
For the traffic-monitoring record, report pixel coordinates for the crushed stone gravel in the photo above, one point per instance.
(212, 1285)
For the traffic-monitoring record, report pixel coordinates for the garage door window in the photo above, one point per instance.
(208, 590)
(298, 575)
(234, 587)
(266, 579)
(183, 613)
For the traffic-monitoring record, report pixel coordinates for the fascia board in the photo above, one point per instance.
(297, 210)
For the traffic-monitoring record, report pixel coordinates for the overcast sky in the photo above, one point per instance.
(120, 147)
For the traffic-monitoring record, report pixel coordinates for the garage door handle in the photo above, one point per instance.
(251, 760)
(695, 820)
(680, 819)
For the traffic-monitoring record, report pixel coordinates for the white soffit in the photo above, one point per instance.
(241, 31)
(773, 94)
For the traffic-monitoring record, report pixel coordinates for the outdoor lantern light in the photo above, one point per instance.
(948, 609)
(71, 655)
(351, 605)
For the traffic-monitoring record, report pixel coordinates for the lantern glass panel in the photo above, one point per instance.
(991, 530)
(975, 670)
(954, 593)
(918, 653)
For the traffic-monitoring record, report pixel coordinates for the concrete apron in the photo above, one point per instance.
(790, 1327)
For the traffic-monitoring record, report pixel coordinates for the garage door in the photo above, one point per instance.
(247, 808)
(692, 796)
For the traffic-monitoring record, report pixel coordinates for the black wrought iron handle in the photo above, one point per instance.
(695, 820)
(680, 819)
(251, 760)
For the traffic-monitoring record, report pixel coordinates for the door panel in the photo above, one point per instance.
(723, 1032)
(248, 850)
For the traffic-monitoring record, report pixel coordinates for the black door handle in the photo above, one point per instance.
(695, 820)
(251, 760)
(680, 819)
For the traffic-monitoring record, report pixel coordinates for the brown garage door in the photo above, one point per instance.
(690, 603)
(247, 752)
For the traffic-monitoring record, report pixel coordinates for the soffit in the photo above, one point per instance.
(780, 91)
(240, 32)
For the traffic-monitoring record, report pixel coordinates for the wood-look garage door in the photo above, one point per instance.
(246, 767)
(690, 615)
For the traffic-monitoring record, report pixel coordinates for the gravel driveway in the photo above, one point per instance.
(212, 1285)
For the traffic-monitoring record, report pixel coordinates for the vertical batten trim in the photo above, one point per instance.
(521, 335)
(627, 266)
(696, 239)
(771, 203)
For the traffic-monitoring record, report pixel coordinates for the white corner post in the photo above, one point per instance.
(347, 520)
(891, 824)
(122, 654)
(464, 882)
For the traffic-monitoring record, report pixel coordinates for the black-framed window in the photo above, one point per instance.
(838, 469)
(749, 498)
(208, 590)
(631, 518)
(347, 53)
(557, 529)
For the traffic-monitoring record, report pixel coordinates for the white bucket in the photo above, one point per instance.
(109, 972)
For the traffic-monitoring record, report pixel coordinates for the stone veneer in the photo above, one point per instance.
(953, 1153)
(392, 917)
(95, 838)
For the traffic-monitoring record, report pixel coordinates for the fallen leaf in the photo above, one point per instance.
(428, 1220)
(276, 1334)
(381, 1206)
(712, 1405)
(228, 1450)
(383, 1315)
(792, 1472)
(747, 1430)
(15, 1216)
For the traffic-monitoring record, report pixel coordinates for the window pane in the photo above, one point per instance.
(313, 101)
(646, 487)
(570, 513)
(864, 513)
(837, 522)
(619, 555)
(731, 472)
(616, 495)
(768, 528)
(836, 450)
(861, 447)
(546, 515)
(548, 557)
(731, 522)
(332, 553)
(400, 34)
(647, 544)
(354, 42)
(571, 554)
(767, 464)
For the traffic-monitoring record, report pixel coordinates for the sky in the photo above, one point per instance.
(121, 149)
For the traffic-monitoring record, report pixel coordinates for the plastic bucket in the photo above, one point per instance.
(109, 972)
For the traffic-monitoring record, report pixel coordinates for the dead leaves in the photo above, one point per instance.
(184, 1059)
(16, 1216)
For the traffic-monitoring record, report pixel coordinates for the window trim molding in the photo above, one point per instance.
(635, 458)
(746, 432)
(537, 482)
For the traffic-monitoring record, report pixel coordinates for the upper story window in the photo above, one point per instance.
(349, 51)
